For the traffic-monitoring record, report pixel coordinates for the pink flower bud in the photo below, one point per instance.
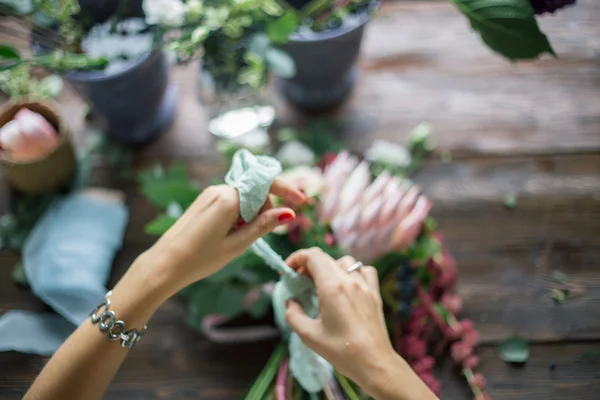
(451, 333)
(479, 381)
(471, 337)
(416, 326)
(466, 325)
(471, 362)
(423, 365)
(452, 302)
(329, 240)
(460, 351)
(414, 347)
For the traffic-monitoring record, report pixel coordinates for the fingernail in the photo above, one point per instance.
(287, 303)
(286, 217)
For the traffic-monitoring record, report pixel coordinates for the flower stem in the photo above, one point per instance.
(346, 386)
(468, 372)
(261, 384)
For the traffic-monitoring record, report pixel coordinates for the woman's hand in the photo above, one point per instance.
(210, 234)
(350, 331)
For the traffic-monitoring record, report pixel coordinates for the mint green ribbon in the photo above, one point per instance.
(252, 176)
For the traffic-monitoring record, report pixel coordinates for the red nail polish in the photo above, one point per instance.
(240, 223)
(287, 303)
(286, 217)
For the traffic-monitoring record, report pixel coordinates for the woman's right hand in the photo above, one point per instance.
(350, 331)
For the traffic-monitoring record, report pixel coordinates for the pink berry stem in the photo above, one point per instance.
(468, 372)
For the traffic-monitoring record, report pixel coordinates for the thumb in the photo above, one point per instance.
(263, 224)
(300, 323)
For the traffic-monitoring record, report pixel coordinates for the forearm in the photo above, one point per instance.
(397, 381)
(84, 365)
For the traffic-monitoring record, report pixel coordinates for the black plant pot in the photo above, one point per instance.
(325, 64)
(136, 104)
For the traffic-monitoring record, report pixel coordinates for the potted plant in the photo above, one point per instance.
(325, 47)
(36, 151)
(131, 96)
(509, 28)
(236, 51)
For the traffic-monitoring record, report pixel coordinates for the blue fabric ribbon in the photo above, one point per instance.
(252, 176)
(67, 259)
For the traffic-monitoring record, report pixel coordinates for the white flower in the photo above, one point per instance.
(295, 153)
(168, 13)
(388, 153)
(308, 179)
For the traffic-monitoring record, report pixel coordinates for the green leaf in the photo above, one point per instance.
(162, 193)
(9, 52)
(508, 27)
(261, 385)
(425, 248)
(208, 298)
(441, 311)
(199, 34)
(559, 277)
(280, 63)
(510, 201)
(558, 296)
(280, 29)
(160, 225)
(514, 350)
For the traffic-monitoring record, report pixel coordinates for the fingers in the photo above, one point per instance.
(319, 264)
(300, 323)
(287, 192)
(263, 224)
(371, 277)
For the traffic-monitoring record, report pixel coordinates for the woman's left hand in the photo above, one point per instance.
(210, 234)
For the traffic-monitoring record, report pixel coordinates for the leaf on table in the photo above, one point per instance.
(514, 350)
(559, 277)
(160, 225)
(510, 201)
(18, 275)
(508, 27)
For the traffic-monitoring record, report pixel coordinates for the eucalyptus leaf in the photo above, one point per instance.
(160, 225)
(280, 29)
(161, 193)
(508, 27)
(280, 63)
(259, 44)
(559, 277)
(8, 52)
(199, 34)
(514, 350)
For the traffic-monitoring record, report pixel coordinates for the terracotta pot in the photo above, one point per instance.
(49, 173)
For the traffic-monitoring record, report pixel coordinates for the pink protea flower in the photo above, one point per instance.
(368, 218)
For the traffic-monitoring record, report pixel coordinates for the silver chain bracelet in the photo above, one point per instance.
(107, 322)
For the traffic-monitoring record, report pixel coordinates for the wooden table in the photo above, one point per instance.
(530, 128)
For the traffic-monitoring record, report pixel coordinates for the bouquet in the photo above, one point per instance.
(365, 207)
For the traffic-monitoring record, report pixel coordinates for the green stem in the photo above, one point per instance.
(315, 7)
(346, 386)
(261, 385)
